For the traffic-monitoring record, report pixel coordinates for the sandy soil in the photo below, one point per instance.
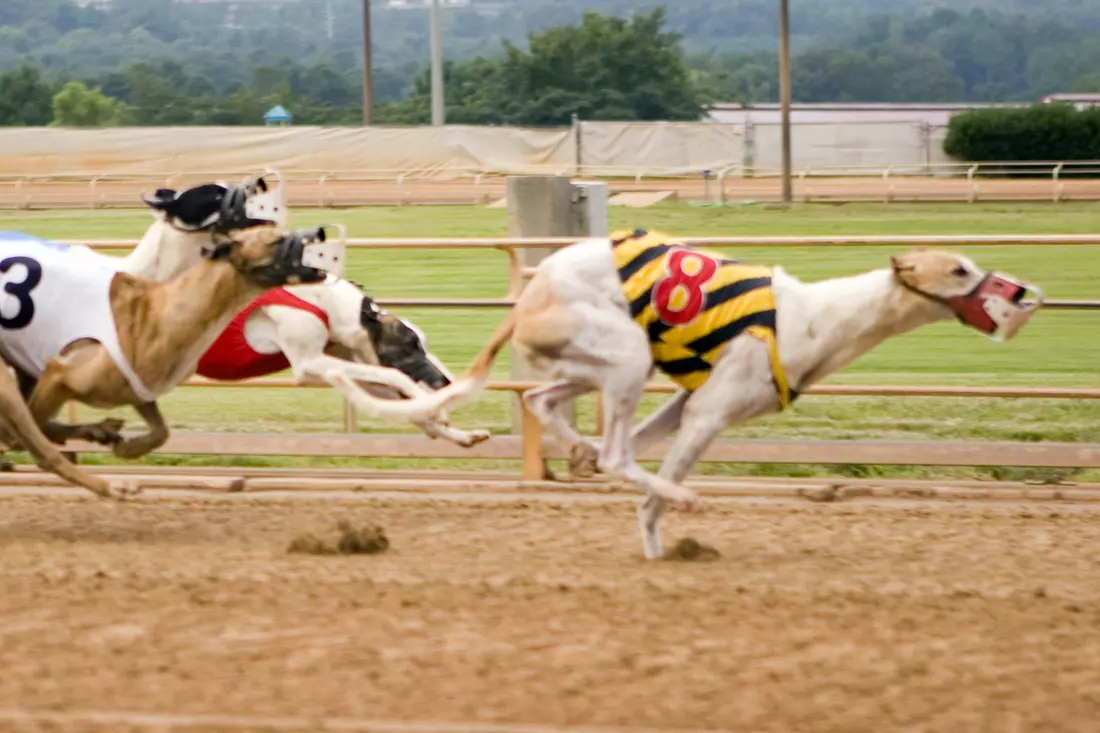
(816, 617)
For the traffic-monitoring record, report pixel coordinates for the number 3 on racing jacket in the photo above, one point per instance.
(693, 302)
(51, 296)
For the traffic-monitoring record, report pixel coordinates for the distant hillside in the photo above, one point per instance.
(865, 50)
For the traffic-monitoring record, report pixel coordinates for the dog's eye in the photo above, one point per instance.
(960, 271)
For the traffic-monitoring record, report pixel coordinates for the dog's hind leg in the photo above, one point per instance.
(739, 388)
(546, 403)
(436, 427)
(104, 432)
(16, 417)
(666, 419)
(611, 352)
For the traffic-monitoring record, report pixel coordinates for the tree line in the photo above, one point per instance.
(605, 66)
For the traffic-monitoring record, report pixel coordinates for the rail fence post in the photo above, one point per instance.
(548, 206)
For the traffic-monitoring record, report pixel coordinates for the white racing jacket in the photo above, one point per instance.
(51, 296)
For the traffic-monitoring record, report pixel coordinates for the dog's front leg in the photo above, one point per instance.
(739, 388)
(139, 445)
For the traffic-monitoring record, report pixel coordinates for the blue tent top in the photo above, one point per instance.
(278, 113)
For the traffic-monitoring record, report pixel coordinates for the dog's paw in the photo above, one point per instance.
(684, 499)
(583, 460)
(470, 438)
(130, 449)
(105, 432)
(122, 490)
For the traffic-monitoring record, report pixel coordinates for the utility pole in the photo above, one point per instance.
(436, 43)
(785, 97)
(368, 85)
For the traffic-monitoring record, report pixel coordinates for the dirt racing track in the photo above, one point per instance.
(503, 607)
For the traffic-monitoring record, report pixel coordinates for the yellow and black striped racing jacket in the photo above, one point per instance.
(692, 302)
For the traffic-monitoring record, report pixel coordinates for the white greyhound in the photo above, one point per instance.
(328, 334)
(332, 334)
(739, 340)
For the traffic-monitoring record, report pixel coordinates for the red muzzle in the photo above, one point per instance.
(997, 306)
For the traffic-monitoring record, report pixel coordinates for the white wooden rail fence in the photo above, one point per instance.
(960, 182)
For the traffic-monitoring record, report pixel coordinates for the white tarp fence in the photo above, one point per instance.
(601, 149)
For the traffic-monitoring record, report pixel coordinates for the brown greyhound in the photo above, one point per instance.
(124, 340)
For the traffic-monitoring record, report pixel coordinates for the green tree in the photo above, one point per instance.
(25, 98)
(606, 68)
(75, 105)
(603, 69)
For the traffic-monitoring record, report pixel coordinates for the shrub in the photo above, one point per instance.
(1046, 132)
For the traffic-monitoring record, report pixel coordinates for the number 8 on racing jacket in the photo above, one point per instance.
(51, 296)
(692, 302)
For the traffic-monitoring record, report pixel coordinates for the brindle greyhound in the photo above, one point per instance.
(132, 340)
(329, 334)
(186, 223)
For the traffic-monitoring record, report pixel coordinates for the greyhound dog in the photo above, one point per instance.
(88, 332)
(328, 334)
(331, 334)
(740, 341)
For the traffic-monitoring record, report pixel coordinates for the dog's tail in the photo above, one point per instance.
(477, 374)
(478, 371)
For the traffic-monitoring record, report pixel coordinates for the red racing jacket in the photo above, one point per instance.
(231, 358)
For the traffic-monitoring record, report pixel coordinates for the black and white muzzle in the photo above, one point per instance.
(290, 264)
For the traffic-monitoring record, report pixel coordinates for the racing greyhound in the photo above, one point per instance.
(329, 333)
(740, 341)
(88, 332)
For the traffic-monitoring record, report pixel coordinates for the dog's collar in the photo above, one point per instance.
(937, 298)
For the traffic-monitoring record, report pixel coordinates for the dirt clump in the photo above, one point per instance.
(689, 549)
(367, 540)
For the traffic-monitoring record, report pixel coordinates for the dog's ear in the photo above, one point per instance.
(369, 312)
(259, 184)
(162, 200)
(199, 206)
(900, 265)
